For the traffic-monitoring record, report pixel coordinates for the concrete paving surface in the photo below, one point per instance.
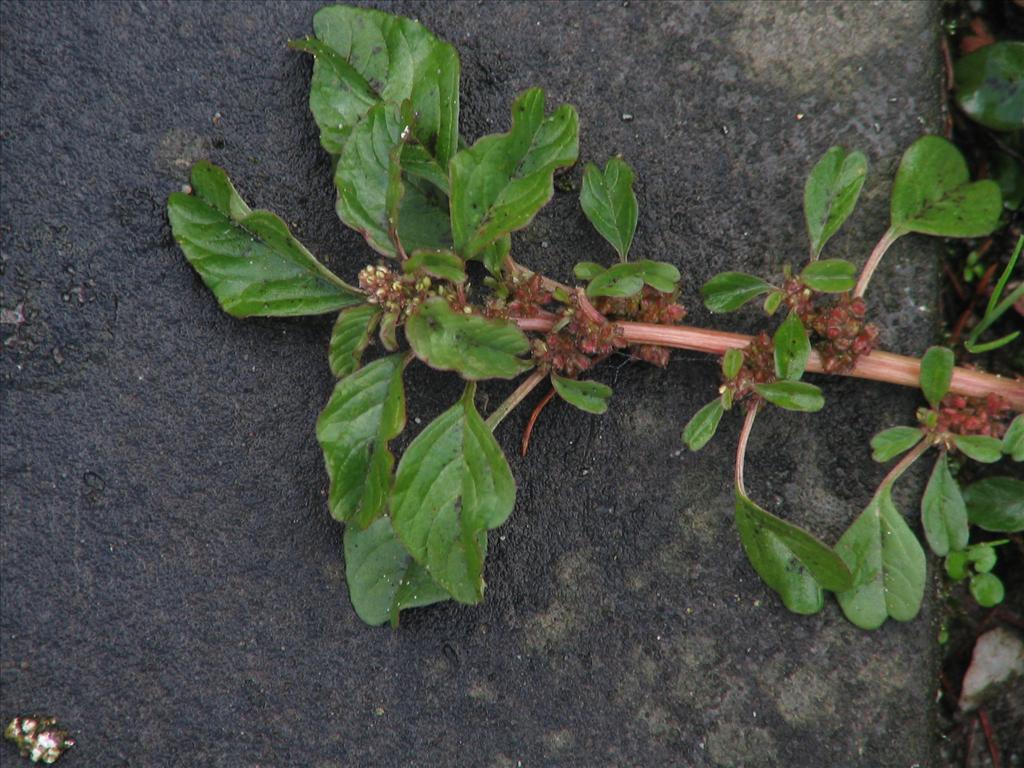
(172, 583)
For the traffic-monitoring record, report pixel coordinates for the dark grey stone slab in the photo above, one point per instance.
(173, 586)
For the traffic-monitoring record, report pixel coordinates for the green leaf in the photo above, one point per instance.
(956, 565)
(936, 374)
(1013, 440)
(943, 513)
(496, 254)
(702, 427)
(351, 335)
(792, 348)
(499, 184)
(248, 258)
(979, 447)
(623, 280)
(982, 557)
(990, 85)
(608, 201)
(589, 396)
(660, 275)
(891, 442)
(728, 291)
(732, 362)
(987, 589)
(365, 178)
(932, 193)
(443, 264)
(365, 56)
(996, 504)
(452, 485)
(587, 270)
(792, 395)
(831, 193)
(789, 559)
(365, 412)
(829, 276)
(383, 579)
(772, 302)
(474, 346)
(888, 566)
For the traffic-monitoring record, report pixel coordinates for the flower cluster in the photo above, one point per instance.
(580, 339)
(960, 415)
(397, 293)
(758, 368)
(38, 738)
(649, 306)
(840, 332)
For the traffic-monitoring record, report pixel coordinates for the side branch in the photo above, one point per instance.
(878, 366)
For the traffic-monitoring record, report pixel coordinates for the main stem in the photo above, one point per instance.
(878, 366)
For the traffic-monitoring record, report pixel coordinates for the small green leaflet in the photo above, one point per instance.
(829, 276)
(443, 264)
(891, 442)
(623, 280)
(452, 485)
(936, 374)
(792, 395)
(887, 562)
(702, 427)
(609, 202)
(732, 362)
(248, 258)
(474, 346)
(587, 270)
(365, 412)
(351, 335)
(789, 559)
(728, 291)
(943, 513)
(979, 447)
(383, 579)
(792, 348)
(990, 85)
(1013, 440)
(365, 56)
(987, 589)
(996, 504)
(933, 194)
(589, 396)
(366, 177)
(499, 183)
(831, 193)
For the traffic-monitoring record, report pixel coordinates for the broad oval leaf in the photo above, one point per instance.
(831, 193)
(660, 275)
(936, 374)
(792, 395)
(943, 513)
(474, 346)
(587, 270)
(383, 579)
(608, 201)
(990, 85)
(442, 264)
(932, 193)
(829, 276)
(368, 177)
(364, 57)
(499, 183)
(987, 589)
(249, 259)
(452, 485)
(619, 281)
(996, 504)
(979, 447)
(702, 427)
(891, 442)
(1013, 440)
(888, 566)
(792, 348)
(589, 396)
(350, 336)
(365, 412)
(728, 291)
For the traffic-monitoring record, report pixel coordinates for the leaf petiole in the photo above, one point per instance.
(518, 395)
(891, 236)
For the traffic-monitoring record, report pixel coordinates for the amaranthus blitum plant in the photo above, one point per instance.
(385, 95)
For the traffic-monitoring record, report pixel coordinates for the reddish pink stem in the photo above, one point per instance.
(878, 366)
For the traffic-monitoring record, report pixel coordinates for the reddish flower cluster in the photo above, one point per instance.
(528, 295)
(575, 347)
(649, 306)
(840, 332)
(962, 415)
(758, 367)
